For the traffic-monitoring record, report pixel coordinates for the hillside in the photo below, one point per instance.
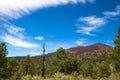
(95, 50)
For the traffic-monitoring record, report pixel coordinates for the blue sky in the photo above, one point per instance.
(26, 25)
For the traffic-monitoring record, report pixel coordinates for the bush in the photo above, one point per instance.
(61, 76)
(27, 77)
(114, 76)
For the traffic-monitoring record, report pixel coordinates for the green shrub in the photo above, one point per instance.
(27, 77)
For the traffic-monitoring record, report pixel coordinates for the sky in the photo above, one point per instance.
(26, 25)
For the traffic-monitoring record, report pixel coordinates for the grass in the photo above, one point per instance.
(61, 76)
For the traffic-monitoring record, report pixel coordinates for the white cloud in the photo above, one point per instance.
(92, 20)
(39, 38)
(86, 30)
(17, 8)
(16, 31)
(112, 13)
(79, 42)
(116, 12)
(35, 53)
(14, 36)
(82, 42)
(18, 42)
(90, 23)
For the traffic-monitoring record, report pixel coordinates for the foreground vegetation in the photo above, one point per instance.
(62, 66)
(61, 76)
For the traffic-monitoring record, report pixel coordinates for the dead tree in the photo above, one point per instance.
(43, 62)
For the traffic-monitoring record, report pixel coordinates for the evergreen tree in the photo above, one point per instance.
(57, 60)
(115, 55)
(12, 67)
(38, 67)
(3, 60)
(63, 62)
(69, 66)
(117, 43)
(27, 66)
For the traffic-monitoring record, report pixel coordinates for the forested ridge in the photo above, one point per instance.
(102, 63)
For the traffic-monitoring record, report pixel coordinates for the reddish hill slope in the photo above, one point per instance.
(94, 50)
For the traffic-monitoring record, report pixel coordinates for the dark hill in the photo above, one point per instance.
(90, 48)
(95, 50)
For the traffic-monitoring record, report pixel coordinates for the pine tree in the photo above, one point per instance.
(3, 60)
(69, 66)
(27, 66)
(12, 67)
(57, 60)
(115, 56)
(117, 43)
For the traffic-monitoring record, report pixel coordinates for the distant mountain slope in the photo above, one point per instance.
(95, 50)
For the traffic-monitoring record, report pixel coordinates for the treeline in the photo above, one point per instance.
(14, 69)
(61, 62)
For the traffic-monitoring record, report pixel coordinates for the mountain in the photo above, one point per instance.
(95, 50)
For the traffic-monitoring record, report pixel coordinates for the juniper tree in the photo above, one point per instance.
(3, 60)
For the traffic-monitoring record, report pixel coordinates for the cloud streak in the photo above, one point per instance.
(83, 42)
(13, 30)
(116, 12)
(90, 23)
(17, 42)
(14, 36)
(17, 8)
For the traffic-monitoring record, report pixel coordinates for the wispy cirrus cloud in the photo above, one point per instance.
(14, 41)
(116, 12)
(90, 23)
(14, 36)
(17, 8)
(83, 42)
(13, 30)
(12, 9)
(87, 25)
